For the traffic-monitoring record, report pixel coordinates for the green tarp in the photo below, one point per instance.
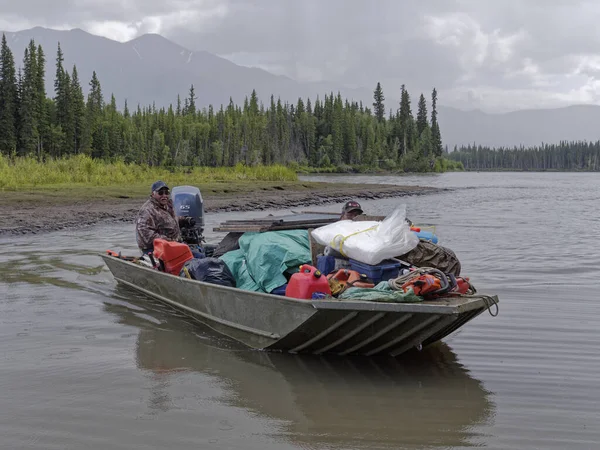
(263, 258)
(381, 293)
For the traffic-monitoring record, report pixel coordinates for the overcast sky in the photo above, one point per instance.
(494, 55)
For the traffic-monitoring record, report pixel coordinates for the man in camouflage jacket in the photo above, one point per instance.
(157, 219)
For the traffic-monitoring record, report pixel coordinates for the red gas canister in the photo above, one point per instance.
(172, 254)
(462, 285)
(306, 282)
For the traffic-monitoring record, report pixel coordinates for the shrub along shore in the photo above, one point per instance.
(25, 173)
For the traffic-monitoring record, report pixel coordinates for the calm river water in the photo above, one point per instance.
(87, 364)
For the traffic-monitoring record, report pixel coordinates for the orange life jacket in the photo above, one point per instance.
(351, 278)
(423, 284)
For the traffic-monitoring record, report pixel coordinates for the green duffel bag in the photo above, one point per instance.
(428, 254)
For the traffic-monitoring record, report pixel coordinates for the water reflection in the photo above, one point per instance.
(424, 399)
(63, 268)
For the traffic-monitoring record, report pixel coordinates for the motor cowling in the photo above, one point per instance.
(189, 208)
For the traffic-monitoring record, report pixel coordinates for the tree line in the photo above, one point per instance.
(327, 132)
(566, 155)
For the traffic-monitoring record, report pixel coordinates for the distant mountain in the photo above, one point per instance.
(151, 69)
(526, 127)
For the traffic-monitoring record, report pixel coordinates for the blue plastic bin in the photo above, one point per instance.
(383, 271)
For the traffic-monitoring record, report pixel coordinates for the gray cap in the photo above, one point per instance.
(158, 185)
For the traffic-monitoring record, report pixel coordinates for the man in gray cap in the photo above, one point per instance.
(156, 219)
(350, 210)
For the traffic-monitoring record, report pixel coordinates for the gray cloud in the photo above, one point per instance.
(490, 55)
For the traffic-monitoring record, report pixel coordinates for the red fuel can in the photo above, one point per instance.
(306, 282)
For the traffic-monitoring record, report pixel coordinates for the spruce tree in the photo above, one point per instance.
(300, 107)
(422, 119)
(404, 122)
(378, 105)
(28, 105)
(405, 111)
(62, 98)
(272, 135)
(190, 109)
(43, 113)
(435, 128)
(337, 130)
(8, 100)
(59, 88)
(178, 108)
(94, 141)
(77, 117)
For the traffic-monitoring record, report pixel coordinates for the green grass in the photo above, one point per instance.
(24, 173)
(448, 165)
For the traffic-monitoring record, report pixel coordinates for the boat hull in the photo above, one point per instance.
(273, 322)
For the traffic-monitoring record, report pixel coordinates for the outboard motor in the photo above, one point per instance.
(189, 207)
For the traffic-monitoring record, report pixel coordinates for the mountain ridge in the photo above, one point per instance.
(151, 69)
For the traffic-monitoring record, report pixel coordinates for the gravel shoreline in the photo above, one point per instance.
(46, 216)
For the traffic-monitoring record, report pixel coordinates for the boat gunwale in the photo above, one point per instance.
(424, 307)
(430, 307)
(209, 285)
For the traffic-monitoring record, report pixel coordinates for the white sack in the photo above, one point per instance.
(369, 242)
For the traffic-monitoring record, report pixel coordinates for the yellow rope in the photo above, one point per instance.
(335, 286)
(341, 243)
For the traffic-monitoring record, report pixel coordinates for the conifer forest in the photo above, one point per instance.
(321, 133)
(566, 155)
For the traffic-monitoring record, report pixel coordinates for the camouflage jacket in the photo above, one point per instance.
(156, 221)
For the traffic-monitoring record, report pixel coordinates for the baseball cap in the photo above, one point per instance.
(351, 206)
(158, 185)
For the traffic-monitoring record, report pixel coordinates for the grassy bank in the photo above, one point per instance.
(82, 171)
(79, 191)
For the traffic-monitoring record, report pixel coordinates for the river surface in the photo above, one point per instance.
(85, 363)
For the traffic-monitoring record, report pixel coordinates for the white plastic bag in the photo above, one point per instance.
(370, 242)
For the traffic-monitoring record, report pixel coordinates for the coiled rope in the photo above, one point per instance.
(489, 301)
(396, 283)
